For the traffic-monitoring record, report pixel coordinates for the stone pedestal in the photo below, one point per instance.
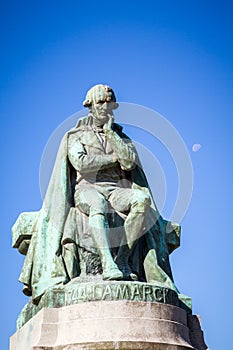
(116, 324)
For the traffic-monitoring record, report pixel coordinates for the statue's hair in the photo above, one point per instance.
(100, 93)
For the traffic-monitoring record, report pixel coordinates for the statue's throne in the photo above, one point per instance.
(80, 252)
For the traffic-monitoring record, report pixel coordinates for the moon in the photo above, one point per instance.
(196, 147)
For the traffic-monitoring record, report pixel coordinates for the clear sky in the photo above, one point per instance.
(175, 57)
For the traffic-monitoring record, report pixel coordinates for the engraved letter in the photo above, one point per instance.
(147, 293)
(107, 292)
(135, 293)
(122, 292)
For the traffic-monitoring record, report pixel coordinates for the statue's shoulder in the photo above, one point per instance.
(83, 124)
(84, 121)
(82, 131)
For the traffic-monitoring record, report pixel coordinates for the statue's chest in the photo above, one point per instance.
(96, 143)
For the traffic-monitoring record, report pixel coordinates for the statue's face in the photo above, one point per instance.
(102, 110)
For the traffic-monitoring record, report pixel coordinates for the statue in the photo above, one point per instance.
(98, 216)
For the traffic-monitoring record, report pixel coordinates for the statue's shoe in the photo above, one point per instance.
(132, 276)
(128, 275)
(112, 274)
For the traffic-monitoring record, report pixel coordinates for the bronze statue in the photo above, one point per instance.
(98, 215)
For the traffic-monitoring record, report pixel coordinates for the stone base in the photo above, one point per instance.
(115, 324)
(78, 291)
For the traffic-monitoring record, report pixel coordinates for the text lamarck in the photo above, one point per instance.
(116, 291)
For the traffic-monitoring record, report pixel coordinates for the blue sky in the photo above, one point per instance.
(173, 57)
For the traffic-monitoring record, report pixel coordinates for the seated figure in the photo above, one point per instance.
(98, 201)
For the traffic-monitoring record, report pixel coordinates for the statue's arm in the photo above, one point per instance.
(86, 163)
(123, 148)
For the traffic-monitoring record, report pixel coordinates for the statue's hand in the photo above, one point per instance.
(108, 125)
(114, 158)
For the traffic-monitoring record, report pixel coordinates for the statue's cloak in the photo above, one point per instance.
(44, 264)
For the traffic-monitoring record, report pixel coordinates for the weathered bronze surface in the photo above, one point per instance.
(96, 289)
(98, 218)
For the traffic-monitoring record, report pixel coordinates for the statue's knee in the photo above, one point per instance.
(100, 206)
(69, 248)
(142, 202)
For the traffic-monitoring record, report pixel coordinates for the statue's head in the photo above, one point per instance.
(101, 101)
(100, 94)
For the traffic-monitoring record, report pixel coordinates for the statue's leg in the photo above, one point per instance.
(71, 260)
(94, 204)
(136, 203)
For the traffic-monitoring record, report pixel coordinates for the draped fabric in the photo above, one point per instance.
(57, 224)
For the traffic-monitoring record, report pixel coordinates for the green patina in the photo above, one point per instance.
(98, 218)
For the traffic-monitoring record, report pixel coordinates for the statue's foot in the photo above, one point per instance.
(112, 273)
(128, 275)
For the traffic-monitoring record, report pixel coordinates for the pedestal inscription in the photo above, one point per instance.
(76, 292)
(119, 291)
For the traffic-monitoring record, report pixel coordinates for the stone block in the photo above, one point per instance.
(22, 231)
(113, 324)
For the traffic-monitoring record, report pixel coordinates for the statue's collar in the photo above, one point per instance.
(86, 124)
